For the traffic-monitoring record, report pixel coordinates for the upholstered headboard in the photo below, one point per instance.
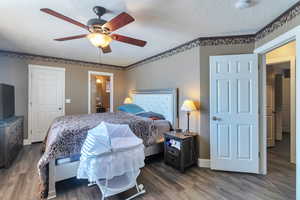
(163, 101)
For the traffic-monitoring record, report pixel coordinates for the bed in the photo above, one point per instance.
(66, 135)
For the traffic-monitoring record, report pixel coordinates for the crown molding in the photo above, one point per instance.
(34, 57)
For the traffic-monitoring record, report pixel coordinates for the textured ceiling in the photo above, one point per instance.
(164, 24)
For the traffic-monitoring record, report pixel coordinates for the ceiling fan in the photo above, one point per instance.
(100, 31)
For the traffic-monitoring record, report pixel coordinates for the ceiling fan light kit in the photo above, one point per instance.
(100, 30)
(99, 39)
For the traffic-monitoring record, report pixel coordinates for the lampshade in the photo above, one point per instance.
(99, 40)
(188, 106)
(127, 100)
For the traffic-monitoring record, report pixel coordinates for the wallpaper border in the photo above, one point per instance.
(26, 56)
(207, 41)
(280, 21)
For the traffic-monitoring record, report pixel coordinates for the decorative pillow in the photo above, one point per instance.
(154, 118)
(151, 115)
(131, 108)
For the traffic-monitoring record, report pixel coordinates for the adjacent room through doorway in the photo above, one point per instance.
(100, 92)
(281, 103)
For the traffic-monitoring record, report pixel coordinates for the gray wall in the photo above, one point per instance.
(14, 71)
(180, 71)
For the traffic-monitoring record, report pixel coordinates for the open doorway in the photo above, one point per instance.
(100, 92)
(281, 103)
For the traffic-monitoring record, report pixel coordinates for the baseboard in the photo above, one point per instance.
(26, 142)
(204, 163)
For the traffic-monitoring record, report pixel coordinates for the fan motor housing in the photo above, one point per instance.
(96, 21)
(95, 25)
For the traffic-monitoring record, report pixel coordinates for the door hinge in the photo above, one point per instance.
(259, 154)
(30, 132)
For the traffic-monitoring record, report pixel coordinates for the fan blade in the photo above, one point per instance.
(128, 40)
(118, 22)
(60, 16)
(106, 49)
(71, 37)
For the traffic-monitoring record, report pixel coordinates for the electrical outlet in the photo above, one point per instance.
(68, 100)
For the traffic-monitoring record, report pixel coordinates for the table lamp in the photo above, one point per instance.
(127, 100)
(188, 106)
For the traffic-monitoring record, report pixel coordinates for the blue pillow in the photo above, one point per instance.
(131, 108)
(151, 115)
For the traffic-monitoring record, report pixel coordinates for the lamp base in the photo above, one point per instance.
(188, 122)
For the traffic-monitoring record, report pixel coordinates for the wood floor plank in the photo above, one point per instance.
(20, 182)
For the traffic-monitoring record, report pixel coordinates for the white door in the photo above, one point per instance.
(46, 99)
(234, 113)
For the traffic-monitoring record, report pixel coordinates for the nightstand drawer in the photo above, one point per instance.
(173, 151)
(173, 160)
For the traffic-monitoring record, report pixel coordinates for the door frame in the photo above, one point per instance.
(292, 61)
(50, 68)
(285, 38)
(111, 97)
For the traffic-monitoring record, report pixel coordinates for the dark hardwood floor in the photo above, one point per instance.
(282, 148)
(20, 182)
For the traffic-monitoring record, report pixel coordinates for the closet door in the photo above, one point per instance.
(46, 99)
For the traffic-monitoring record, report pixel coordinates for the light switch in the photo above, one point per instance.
(68, 100)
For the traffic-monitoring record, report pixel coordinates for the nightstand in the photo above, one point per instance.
(180, 149)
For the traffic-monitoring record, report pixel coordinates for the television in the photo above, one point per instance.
(7, 101)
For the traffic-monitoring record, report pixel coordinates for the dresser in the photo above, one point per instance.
(11, 140)
(180, 149)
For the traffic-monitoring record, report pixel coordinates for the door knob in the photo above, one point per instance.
(59, 108)
(216, 119)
